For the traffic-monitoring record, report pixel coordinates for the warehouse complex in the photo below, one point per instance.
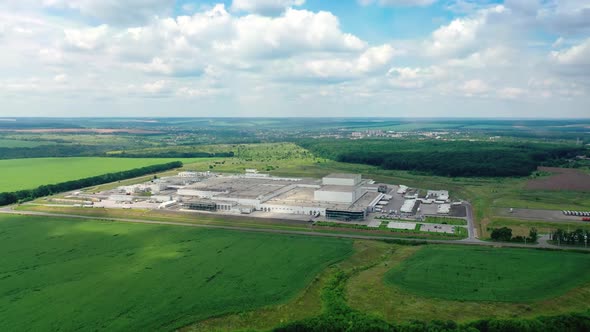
(338, 196)
(343, 197)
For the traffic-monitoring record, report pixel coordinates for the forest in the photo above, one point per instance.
(7, 198)
(446, 158)
(100, 151)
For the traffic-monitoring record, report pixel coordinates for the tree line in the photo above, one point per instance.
(445, 158)
(172, 154)
(360, 322)
(101, 151)
(577, 237)
(504, 234)
(55, 151)
(7, 198)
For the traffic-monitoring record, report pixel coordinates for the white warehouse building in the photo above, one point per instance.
(336, 196)
(340, 194)
(340, 179)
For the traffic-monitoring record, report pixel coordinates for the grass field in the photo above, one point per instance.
(18, 174)
(369, 292)
(522, 227)
(73, 275)
(487, 274)
(230, 221)
(445, 220)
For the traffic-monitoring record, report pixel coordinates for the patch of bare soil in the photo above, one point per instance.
(561, 179)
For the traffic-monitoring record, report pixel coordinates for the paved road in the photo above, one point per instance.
(468, 241)
(470, 224)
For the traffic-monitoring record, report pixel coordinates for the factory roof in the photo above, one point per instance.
(239, 187)
(408, 205)
(337, 188)
(342, 176)
(365, 200)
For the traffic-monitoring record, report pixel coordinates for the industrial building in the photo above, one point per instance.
(336, 196)
(339, 197)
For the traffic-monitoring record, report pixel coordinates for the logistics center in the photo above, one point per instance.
(336, 196)
(339, 197)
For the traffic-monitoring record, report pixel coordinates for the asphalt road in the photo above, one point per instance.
(468, 241)
(470, 222)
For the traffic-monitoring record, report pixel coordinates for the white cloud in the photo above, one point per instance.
(558, 42)
(295, 31)
(396, 3)
(60, 78)
(474, 87)
(372, 61)
(265, 7)
(156, 87)
(242, 62)
(414, 78)
(375, 58)
(87, 39)
(455, 37)
(566, 16)
(216, 34)
(511, 93)
(114, 11)
(550, 87)
(467, 34)
(575, 55)
(51, 56)
(498, 56)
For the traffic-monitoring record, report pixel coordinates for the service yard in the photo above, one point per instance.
(537, 214)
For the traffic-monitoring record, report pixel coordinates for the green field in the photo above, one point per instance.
(73, 275)
(489, 274)
(12, 143)
(18, 174)
(445, 220)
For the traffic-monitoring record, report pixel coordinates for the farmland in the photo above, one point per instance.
(437, 282)
(18, 174)
(485, 274)
(353, 293)
(168, 276)
(11, 143)
(373, 291)
(561, 179)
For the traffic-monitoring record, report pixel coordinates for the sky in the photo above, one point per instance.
(289, 58)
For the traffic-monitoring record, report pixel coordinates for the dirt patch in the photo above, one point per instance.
(84, 130)
(458, 211)
(561, 179)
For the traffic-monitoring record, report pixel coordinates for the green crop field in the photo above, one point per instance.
(18, 174)
(488, 274)
(71, 276)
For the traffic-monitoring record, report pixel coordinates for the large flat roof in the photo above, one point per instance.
(342, 176)
(240, 187)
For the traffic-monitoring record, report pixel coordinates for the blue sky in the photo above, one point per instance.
(452, 58)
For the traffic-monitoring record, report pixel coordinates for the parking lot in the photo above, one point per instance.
(436, 228)
(402, 225)
(544, 215)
